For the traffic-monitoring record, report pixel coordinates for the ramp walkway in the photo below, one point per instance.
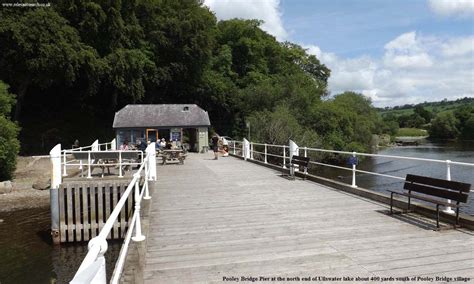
(218, 221)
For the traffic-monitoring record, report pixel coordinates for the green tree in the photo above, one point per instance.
(422, 112)
(468, 128)
(38, 48)
(278, 127)
(9, 144)
(465, 115)
(444, 126)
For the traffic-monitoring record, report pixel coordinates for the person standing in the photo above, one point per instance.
(215, 146)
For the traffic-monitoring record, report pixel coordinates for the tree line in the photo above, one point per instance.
(456, 122)
(72, 65)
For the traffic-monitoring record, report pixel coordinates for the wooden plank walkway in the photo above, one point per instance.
(214, 220)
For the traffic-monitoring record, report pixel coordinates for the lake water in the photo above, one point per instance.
(27, 254)
(459, 152)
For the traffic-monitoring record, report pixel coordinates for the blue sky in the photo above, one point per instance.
(353, 28)
(393, 51)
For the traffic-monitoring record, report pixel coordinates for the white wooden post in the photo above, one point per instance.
(55, 156)
(284, 157)
(354, 185)
(246, 149)
(138, 228)
(151, 154)
(448, 209)
(305, 151)
(294, 151)
(234, 146)
(95, 146)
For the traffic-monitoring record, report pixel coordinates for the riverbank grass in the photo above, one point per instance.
(412, 132)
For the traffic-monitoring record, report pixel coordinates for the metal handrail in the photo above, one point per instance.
(90, 163)
(92, 267)
(354, 154)
(387, 156)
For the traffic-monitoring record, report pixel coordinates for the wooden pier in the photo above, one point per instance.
(217, 221)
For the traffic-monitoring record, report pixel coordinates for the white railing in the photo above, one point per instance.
(95, 147)
(285, 152)
(92, 269)
(90, 162)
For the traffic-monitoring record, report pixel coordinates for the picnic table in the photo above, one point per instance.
(173, 155)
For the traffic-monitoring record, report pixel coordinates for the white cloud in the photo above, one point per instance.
(458, 46)
(404, 42)
(405, 61)
(406, 51)
(401, 75)
(266, 10)
(452, 7)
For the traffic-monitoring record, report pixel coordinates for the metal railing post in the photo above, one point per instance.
(234, 146)
(147, 193)
(266, 162)
(81, 167)
(251, 150)
(64, 164)
(120, 165)
(354, 171)
(284, 157)
(138, 228)
(306, 151)
(448, 209)
(89, 164)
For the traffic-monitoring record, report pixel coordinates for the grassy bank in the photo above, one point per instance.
(412, 132)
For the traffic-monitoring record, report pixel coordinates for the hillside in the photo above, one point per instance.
(434, 107)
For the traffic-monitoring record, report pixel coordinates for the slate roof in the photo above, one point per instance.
(163, 115)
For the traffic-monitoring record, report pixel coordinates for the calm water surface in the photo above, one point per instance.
(459, 152)
(28, 256)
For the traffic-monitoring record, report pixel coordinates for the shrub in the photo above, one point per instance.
(9, 144)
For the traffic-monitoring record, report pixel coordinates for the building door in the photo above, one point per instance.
(152, 135)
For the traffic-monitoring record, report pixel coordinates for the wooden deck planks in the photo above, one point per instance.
(229, 217)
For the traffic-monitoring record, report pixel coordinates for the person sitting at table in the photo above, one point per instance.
(141, 145)
(163, 143)
(124, 146)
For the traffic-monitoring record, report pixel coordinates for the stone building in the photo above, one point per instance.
(184, 124)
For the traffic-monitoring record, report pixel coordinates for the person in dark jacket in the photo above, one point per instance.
(215, 145)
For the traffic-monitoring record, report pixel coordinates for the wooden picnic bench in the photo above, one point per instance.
(300, 162)
(433, 190)
(105, 159)
(173, 155)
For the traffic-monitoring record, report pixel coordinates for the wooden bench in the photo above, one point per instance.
(106, 159)
(173, 155)
(433, 190)
(298, 162)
